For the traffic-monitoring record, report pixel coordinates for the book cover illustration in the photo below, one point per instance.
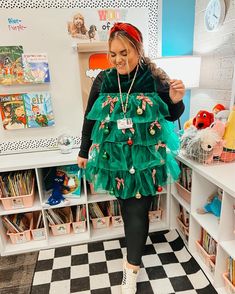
(13, 112)
(36, 68)
(72, 180)
(11, 69)
(39, 111)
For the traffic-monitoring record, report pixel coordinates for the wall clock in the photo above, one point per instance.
(214, 15)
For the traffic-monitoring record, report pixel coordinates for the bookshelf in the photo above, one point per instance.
(40, 160)
(205, 181)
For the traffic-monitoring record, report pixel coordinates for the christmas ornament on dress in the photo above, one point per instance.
(65, 142)
(105, 156)
(138, 195)
(139, 111)
(132, 170)
(106, 130)
(159, 189)
(130, 142)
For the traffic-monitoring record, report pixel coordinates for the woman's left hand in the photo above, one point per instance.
(177, 90)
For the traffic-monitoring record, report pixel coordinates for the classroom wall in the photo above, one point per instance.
(218, 58)
(178, 35)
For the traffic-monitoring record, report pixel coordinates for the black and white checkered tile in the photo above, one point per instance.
(96, 268)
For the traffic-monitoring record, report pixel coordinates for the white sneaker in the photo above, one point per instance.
(129, 280)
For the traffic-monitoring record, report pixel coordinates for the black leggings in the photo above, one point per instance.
(136, 226)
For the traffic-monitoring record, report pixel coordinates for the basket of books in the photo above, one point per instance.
(115, 213)
(184, 229)
(230, 287)
(18, 227)
(99, 215)
(183, 192)
(155, 212)
(79, 219)
(206, 247)
(60, 220)
(17, 189)
(38, 230)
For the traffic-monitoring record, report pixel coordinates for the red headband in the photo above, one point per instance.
(129, 29)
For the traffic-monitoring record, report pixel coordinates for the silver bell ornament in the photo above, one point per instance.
(132, 170)
(65, 142)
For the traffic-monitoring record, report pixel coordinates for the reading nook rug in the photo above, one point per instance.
(96, 268)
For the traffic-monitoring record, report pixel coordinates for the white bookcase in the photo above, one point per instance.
(40, 160)
(205, 180)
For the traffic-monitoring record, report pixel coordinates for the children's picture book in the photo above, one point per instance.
(39, 111)
(11, 69)
(36, 68)
(13, 112)
(72, 180)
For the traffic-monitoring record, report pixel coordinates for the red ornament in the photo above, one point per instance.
(130, 142)
(159, 188)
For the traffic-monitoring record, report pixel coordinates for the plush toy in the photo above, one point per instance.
(217, 108)
(187, 136)
(218, 127)
(203, 119)
(222, 115)
(200, 148)
(228, 153)
(213, 204)
(188, 123)
(58, 184)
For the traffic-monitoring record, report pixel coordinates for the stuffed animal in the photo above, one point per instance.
(187, 136)
(217, 108)
(188, 123)
(218, 127)
(200, 148)
(213, 204)
(203, 119)
(228, 153)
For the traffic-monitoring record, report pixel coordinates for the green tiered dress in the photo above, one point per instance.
(137, 161)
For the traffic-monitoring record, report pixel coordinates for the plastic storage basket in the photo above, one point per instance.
(60, 229)
(20, 201)
(117, 221)
(183, 192)
(206, 258)
(155, 215)
(183, 228)
(79, 227)
(228, 284)
(101, 222)
(22, 237)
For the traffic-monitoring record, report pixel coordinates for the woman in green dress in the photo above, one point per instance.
(128, 141)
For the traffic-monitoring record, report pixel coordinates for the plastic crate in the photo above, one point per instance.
(183, 228)
(21, 201)
(38, 234)
(155, 215)
(183, 192)
(22, 237)
(79, 227)
(206, 258)
(60, 229)
(101, 222)
(228, 284)
(117, 221)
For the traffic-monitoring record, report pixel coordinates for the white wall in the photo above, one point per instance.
(218, 58)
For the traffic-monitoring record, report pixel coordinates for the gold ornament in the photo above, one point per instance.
(139, 111)
(152, 132)
(138, 195)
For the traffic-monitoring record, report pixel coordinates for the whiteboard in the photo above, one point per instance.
(45, 31)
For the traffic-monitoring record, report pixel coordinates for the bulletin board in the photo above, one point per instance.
(40, 26)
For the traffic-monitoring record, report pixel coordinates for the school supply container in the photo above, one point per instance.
(183, 192)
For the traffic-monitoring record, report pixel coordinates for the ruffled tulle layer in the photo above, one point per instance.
(122, 169)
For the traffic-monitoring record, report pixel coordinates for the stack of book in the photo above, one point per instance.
(16, 223)
(185, 179)
(16, 183)
(208, 243)
(155, 204)
(98, 210)
(114, 208)
(231, 269)
(59, 216)
(79, 212)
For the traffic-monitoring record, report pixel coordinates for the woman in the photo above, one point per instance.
(127, 129)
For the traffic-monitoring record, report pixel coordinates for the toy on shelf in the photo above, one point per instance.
(203, 119)
(58, 185)
(228, 153)
(217, 108)
(213, 204)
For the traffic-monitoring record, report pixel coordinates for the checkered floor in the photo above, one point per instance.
(96, 268)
